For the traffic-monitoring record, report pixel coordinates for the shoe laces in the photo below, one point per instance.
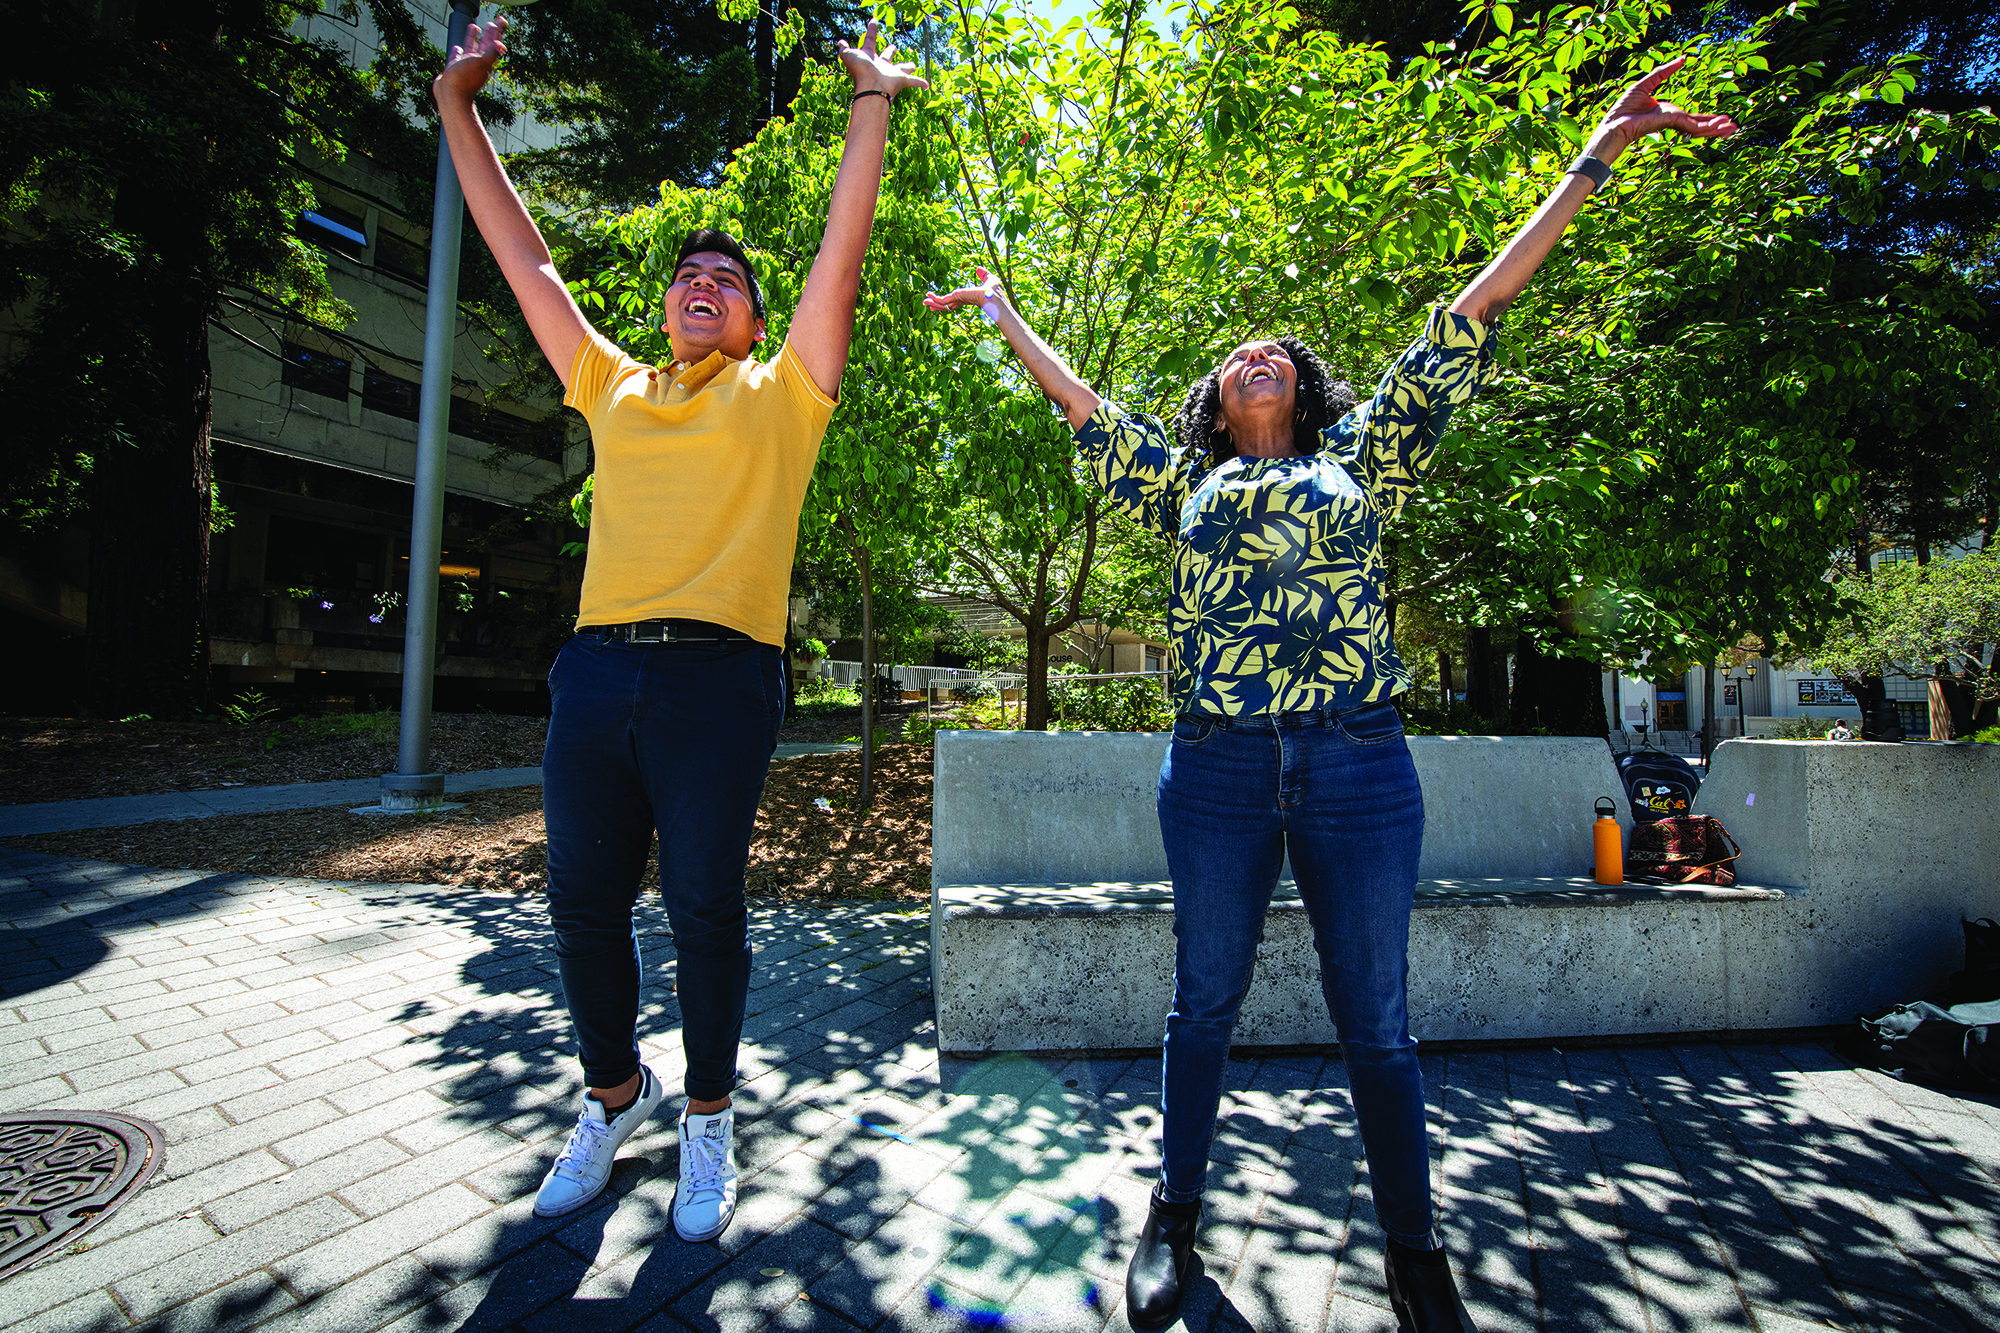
(581, 1150)
(702, 1162)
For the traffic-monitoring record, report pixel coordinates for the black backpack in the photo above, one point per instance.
(1658, 785)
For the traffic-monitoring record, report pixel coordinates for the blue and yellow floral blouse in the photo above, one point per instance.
(1277, 585)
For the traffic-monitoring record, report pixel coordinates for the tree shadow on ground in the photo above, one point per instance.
(55, 945)
(1676, 1188)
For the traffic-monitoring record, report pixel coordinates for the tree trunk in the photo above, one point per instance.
(1035, 689)
(1444, 680)
(867, 676)
(1524, 703)
(1563, 696)
(1480, 696)
(146, 646)
(1952, 706)
(787, 76)
(764, 54)
(1879, 719)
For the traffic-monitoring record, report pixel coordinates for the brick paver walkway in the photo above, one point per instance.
(361, 1086)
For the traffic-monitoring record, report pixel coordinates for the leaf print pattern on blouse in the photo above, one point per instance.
(1276, 604)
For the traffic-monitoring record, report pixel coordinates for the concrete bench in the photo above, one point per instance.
(1051, 915)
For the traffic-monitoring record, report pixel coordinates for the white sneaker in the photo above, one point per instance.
(706, 1196)
(583, 1167)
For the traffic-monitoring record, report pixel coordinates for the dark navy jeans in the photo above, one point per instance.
(673, 737)
(1339, 791)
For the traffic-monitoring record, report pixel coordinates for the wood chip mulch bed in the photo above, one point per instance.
(496, 841)
(76, 759)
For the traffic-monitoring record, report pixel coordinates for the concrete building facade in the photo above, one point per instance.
(315, 440)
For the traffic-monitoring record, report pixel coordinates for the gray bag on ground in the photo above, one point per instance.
(1927, 1043)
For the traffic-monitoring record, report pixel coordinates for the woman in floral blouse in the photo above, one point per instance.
(1275, 497)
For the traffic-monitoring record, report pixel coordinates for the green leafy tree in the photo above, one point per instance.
(1666, 462)
(1935, 621)
(150, 162)
(661, 91)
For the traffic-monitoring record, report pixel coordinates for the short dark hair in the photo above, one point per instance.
(1322, 401)
(722, 243)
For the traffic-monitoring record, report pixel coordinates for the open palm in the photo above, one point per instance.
(874, 72)
(1639, 113)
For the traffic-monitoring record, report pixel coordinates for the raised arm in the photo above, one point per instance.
(559, 327)
(1076, 399)
(1637, 114)
(823, 326)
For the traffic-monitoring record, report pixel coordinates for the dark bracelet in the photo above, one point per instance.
(871, 92)
(1598, 171)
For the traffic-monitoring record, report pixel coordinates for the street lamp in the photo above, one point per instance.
(413, 787)
(1742, 684)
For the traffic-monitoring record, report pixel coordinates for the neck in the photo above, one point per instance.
(1264, 439)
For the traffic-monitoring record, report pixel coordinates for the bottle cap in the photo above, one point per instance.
(1607, 808)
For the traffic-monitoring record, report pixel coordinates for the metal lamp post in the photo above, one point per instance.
(1742, 684)
(413, 787)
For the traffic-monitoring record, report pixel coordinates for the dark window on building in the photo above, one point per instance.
(329, 560)
(469, 419)
(333, 228)
(539, 439)
(399, 256)
(385, 393)
(315, 371)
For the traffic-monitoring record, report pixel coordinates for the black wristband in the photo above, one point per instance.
(871, 92)
(1598, 171)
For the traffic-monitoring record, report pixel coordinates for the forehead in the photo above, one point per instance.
(708, 261)
(1256, 344)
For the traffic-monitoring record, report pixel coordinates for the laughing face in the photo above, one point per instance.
(708, 309)
(1258, 383)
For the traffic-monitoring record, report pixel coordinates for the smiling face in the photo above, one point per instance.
(708, 309)
(1259, 388)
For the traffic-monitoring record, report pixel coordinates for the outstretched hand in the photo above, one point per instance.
(471, 65)
(1639, 113)
(988, 289)
(874, 72)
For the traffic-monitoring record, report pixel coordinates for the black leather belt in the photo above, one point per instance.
(667, 631)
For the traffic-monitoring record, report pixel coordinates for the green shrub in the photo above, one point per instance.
(1134, 704)
(250, 707)
(1798, 729)
(1991, 736)
(822, 698)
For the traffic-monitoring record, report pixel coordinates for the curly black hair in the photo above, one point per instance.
(1322, 401)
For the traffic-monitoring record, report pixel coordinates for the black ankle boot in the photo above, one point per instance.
(1422, 1293)
(1153, 1278)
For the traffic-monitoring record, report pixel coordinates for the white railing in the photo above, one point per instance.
(918, 677)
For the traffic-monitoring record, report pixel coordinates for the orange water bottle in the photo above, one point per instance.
(1607, 838)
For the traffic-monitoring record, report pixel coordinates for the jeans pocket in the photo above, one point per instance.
(562, 654)
(1377, 725)
(771, 661)
(1192, 730)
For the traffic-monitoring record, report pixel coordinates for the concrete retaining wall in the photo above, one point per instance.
(1052, 920)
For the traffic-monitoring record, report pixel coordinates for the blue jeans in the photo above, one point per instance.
(1340, 792)
(667, 737)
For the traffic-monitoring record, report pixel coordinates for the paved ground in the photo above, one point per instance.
(361, 1085)
(118, 811)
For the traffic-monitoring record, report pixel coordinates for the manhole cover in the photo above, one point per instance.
(63, 1171)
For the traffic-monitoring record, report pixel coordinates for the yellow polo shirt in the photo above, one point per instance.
(701, 471)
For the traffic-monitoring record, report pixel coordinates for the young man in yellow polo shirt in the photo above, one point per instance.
(667, 702)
